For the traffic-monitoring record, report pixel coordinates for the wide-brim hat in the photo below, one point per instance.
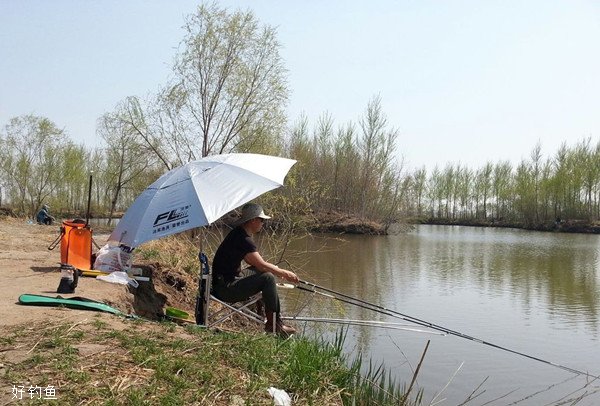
(251, 211)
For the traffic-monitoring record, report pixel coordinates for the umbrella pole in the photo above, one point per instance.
(87, 214)
(204, 282)
(201, 239)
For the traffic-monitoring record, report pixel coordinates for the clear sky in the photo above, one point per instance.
(463, 81)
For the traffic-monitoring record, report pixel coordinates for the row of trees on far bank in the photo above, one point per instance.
(351, 169)
(563, 186)
(227, 93)
(355, 170)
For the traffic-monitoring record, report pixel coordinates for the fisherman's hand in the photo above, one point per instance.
(290, 276)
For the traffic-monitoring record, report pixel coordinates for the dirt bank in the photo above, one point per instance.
(340, 223)
(27, 266)
(562, 226)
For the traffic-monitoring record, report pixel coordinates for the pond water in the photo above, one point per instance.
(532, 292)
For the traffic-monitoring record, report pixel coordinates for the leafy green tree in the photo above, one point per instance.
(594, 168)
(419, 189)
(323, 160)
(307, 188)
(72, 188)
(589, 161)
(464, 187)
(535, 171)
(449, 181)
(524, 193)
(126, 159)
(575, 165)
(345, 171)
(230, 82)
(30, 160)
(150, 128)
(545, 204)
(228, 92)
(376, 145)
(559, 182)
(484, 185)
(435, 188)
(501, 188)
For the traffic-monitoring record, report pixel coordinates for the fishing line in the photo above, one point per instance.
(393, 313)
(363, 323)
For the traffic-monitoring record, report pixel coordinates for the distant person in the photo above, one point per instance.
(43, 216)
(232, 284)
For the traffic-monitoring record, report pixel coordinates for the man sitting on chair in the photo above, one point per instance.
(232, 284)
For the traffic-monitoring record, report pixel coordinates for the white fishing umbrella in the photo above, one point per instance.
(198, 193)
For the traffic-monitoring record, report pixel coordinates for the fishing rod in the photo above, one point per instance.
(355, 304)
(393, 313)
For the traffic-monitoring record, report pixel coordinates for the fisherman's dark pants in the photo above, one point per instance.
(249, 283)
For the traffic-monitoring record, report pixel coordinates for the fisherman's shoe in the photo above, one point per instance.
(280, 329)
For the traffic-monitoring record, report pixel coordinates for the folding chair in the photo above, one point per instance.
(203, 316)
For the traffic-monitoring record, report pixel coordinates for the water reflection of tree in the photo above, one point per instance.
(566, 276)
(561, 269)
(347, 265)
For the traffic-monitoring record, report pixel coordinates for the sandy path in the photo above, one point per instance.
(27, 266)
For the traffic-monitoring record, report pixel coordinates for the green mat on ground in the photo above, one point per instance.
(80, 303)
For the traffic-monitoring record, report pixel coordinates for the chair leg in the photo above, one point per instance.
(241, 308)
(259, 307)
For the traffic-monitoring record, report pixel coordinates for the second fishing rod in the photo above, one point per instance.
(393, 313)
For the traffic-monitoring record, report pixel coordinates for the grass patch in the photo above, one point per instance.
(146, 363)
(172, 253)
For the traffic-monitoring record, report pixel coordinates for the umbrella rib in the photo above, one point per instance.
(168, 186)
